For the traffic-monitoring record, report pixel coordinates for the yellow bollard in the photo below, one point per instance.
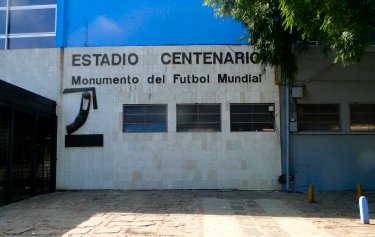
(359, 190)
(310, 194)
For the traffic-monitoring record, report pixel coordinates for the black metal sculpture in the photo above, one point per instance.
(83, 140)
(82, 114)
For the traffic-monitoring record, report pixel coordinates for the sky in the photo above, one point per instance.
(147, 22)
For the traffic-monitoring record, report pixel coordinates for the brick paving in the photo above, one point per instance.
(185, 213)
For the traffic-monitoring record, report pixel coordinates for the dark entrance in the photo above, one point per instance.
(27, 144)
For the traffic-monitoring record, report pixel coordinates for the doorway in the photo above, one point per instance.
(27, 144)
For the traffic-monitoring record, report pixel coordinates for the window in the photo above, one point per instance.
(198, 118)
(27, 24)
(31, 2)
(34, 42)
(362, 117)
(145, 118)
(2, 22)
(32, 21)
(251, 117)
(318, 117)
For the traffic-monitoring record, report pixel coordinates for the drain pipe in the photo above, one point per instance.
(287, 138)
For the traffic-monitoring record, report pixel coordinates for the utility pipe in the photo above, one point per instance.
(287, 103)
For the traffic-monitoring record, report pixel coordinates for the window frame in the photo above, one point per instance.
(7, 36)
(198, 114)
(339, 122)
(251, 121)
(370, 115)
(145, 106)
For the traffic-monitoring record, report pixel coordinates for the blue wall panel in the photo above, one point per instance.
(333, 162)
(148, 22)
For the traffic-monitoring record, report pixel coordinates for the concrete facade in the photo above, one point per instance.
(198, 160)
(36, 70)
(170, 160)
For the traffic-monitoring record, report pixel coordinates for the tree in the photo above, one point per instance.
(280, 28)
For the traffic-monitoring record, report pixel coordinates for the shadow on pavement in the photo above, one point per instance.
(59, 213)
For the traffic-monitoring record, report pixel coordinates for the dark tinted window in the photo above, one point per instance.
(251, 117)
(145, 118)
(2, 44)
(3, 3)
(198, 117)
(4, 125)
(362, 117)
(319, 117)
(32, 21)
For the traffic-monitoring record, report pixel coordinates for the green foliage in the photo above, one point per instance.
(278, 28)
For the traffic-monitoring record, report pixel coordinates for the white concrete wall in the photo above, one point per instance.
(171, 160)
(35, 70)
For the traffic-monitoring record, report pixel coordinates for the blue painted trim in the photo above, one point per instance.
(60, 24)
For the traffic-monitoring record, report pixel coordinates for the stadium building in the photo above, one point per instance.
(163, 95)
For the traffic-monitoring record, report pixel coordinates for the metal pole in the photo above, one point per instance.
(287, 103)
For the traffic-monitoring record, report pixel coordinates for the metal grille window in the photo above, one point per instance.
(319, 117)
(145, 118)
(198, 118)
(362, 117)
(251, 117)
(27, 24)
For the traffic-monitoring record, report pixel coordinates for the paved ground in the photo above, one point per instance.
(186, 213)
